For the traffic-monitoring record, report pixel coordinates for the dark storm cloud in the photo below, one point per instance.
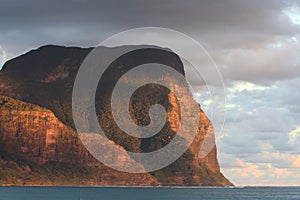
(242, 16)
(205, 20)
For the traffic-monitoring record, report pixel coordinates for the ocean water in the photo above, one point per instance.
(151, 193)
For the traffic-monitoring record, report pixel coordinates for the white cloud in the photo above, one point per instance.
(294, 136)
(3, 56)
(273, 169)
(293, 13)
(239, 86)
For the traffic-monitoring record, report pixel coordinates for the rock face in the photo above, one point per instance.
(36, 134)
(40, 135)
(33, 141)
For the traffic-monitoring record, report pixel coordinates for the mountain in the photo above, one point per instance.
(38, 141)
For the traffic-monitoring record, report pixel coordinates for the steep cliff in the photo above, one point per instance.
(36, 148)
(36, 137)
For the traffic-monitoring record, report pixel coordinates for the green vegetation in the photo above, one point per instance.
(7, 103)
(17, 171)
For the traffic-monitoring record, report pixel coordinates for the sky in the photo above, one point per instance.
(255, 44)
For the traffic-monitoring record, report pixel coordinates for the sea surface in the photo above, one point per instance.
(151, 193)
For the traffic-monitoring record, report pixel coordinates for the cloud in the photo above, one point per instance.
(293, 13)
(3, 56)
(216, 24)
(255, 45)
(278, 60)
(283, 172)
(261, 131)
(296, 161)
(294, 137)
